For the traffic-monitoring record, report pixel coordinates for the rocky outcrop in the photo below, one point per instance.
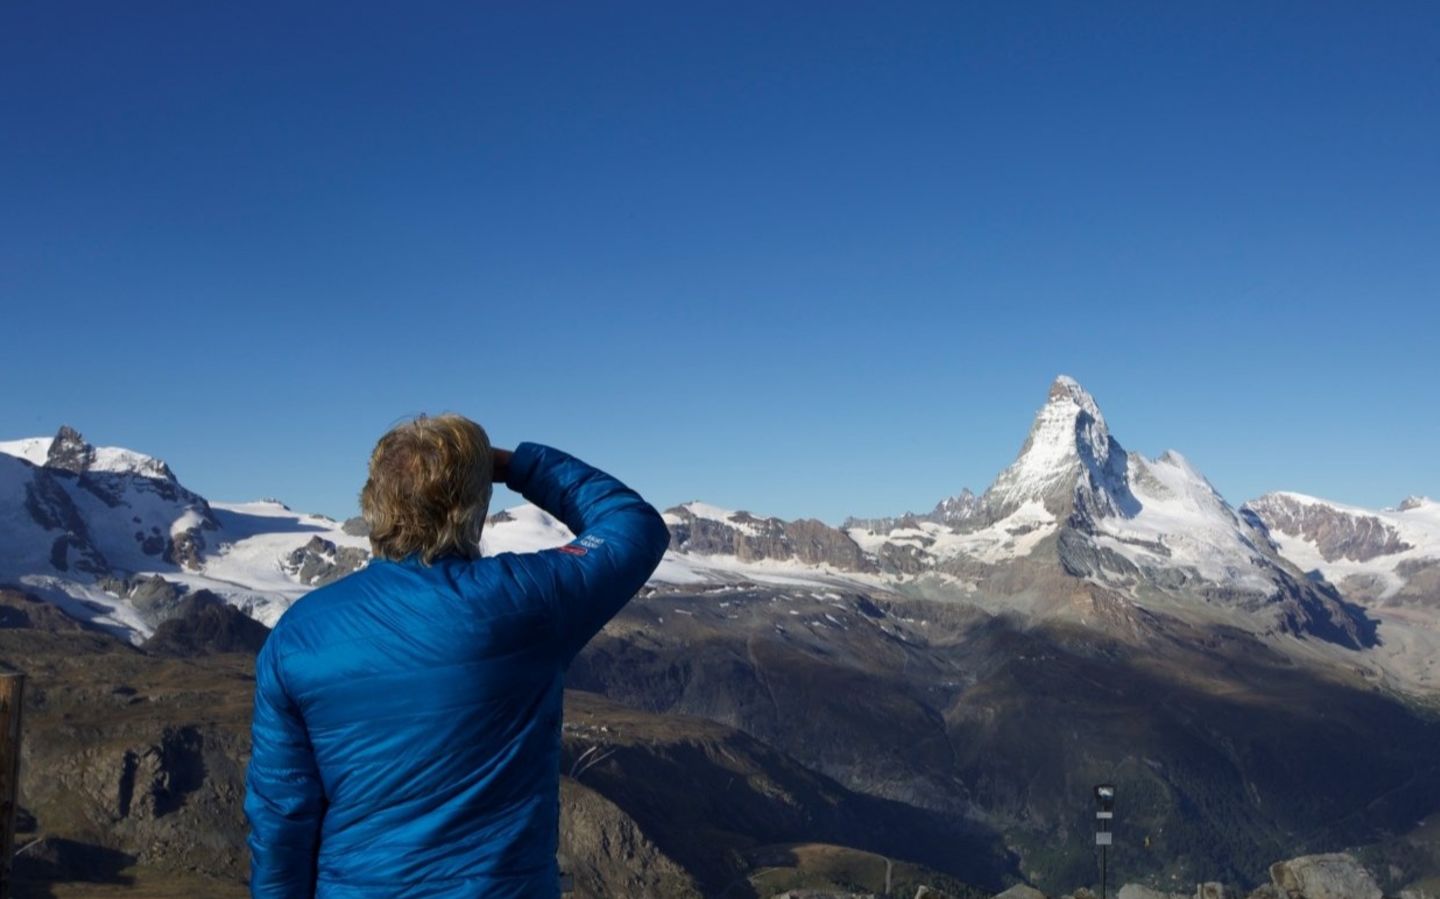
(1382, 559)
(21, 611)
(952, 511)
(122, 479)
(184, 548)
(203, 623)
(1136, 891)
(69, 452)
(1335, 533)
(1331, 876)
(168, 797)
(320, 562)
(750, 538)
(608, 855)
(155, 598)
(1021, 891)
(49, 506)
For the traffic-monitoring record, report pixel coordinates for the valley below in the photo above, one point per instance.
(921, 701)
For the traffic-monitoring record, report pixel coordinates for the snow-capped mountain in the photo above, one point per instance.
(113, 537)
(1076, 506)
(1385, 557)
(102, 507)
(1093, 611)
(1076, 528)
(1079, 528)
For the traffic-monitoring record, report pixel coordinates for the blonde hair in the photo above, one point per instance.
(429, 488)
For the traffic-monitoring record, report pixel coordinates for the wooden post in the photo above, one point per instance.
(12, 697)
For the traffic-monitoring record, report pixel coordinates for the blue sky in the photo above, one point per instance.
(804, 259)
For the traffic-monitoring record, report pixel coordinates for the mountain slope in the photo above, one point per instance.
(970, 671)
(135, 759)
(1096, 530)
(86, 526)
(1227, 751)
(1382, 557)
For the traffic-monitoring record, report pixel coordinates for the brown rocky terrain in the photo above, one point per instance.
(134, 759)
(1229, 754)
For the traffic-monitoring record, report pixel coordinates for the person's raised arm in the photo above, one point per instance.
(284, 798)
(619, 539)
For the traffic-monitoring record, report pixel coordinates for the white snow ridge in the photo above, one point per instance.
(1075, 511)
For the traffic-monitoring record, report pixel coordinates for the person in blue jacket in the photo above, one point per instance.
(406, 736)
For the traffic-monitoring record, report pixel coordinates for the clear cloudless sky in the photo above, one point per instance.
(807, 259)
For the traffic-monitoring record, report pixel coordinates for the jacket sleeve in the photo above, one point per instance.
(284, 797)
(619, 540)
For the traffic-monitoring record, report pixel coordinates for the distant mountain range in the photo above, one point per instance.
(1144, 536)
(1261, 681)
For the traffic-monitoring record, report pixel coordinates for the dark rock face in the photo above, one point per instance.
(961, 507)
(116, 586)
(943, 712)
(1336, 534)
(56, 859)
(154, 781)
(609, 855)
(954, 511)
(1296, 606)
(903, 558)
(130, 759)
(1302, 608)
(70, 465)
(668, 771)
(750, 538)
(357, 526)
(50, 506)
(135, 763)
(320, 562)
(21, 611)
(202, 624)
(184, 549)
(69, 452)
(155, 598)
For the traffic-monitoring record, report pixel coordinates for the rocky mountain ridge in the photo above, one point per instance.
(1377, 557)
(972, 670)
(1076, 527)
(1074, 509)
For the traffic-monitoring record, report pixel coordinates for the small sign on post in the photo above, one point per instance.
(1104, 815)
(12, 695)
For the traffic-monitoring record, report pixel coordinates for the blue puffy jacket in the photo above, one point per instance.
(406, 738)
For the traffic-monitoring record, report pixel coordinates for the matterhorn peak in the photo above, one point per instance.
(1071, 421)
(1066, 389)
(1069, 442)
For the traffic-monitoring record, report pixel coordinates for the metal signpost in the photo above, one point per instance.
(12, 694)
(1104, 814)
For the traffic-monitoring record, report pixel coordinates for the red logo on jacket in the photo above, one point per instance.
(573, 550)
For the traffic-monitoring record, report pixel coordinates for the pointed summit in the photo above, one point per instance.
(1065, 387)
(1069, 458)
(69, 452)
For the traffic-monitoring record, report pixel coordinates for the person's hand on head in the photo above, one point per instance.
(501, 465)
